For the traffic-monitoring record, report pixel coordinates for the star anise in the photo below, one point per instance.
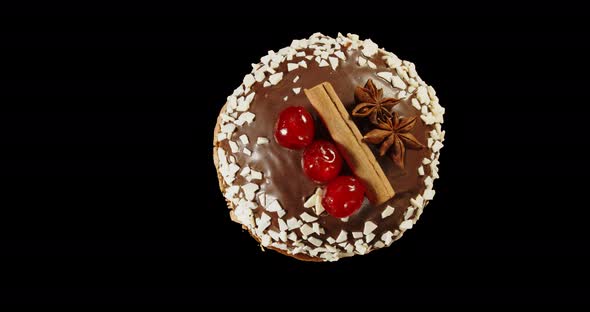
(372, 103)
(394, 133)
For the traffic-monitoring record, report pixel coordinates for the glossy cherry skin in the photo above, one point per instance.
(294, 128)
(321, 161)
(343, 196)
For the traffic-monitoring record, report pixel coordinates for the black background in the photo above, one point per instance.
(109, 193)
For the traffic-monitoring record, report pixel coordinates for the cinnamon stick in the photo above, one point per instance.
(349, 139)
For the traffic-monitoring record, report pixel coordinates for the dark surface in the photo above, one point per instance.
(109, 191)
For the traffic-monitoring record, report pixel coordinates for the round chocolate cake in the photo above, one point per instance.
(329, 148)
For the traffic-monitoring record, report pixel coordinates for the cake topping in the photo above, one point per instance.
(369, 227)
(233, 146)
(261, 140)
(387, 212)
(293, 223)
(294, 128)
(394, 134)
(387, 237)
(344, 195)
(307, 218)
(372, 103)
(321, 161)
(345, 133)
(274, 206)
(310, 202)
(275, 78)
(406, 225)
(315, 241)
(342, 237)
(369, 48)
(333, 62)
(319, 194)
(306, 230)
(244, 139)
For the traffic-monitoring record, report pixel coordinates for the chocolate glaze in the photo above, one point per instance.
(283, 175)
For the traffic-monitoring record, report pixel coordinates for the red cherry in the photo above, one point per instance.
(344, 195)
(294, 128)
(321, 161)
